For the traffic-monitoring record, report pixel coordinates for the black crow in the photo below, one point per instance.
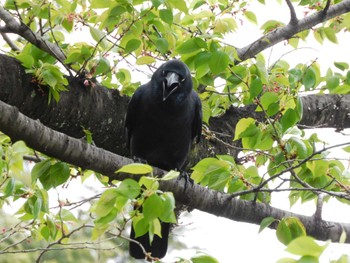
(164, 116)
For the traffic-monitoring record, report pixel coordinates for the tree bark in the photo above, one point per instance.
(77, 152)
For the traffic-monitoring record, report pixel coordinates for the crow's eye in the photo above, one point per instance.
(163, 73)
(182, 80)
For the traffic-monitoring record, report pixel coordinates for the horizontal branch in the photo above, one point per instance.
(294, 27)
(78, 152)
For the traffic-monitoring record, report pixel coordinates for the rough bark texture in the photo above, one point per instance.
(78, 152)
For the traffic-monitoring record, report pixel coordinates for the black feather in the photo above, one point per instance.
(163, 118)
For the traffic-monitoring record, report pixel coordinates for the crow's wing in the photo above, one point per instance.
(132, 112)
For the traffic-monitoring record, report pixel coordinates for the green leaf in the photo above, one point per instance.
(103, 66)
(129, 188)
(145, 60)
(218, 62)
(59, 174)
(330, 34)
(203, 258)
(166, 15)
(136, 168)
(152, 207)
(26, 60)
(309, 79)
(306, 246)
(289, 229)
(170, 175)
(106, 202)
(101, 3)
(251, 17)
(66, 216)
(269, 102)
(162, 45)
(243, 125)
(141, 225)
(10, 187)
(180, 5)
(255, 88)
(289, 119)
(341, 65)
(168, 214)
(37, 207)
(267, 221)
(40, 169)
(332, 82)
(192, 45)
(99, 37)
(132, 45)
(347, 149)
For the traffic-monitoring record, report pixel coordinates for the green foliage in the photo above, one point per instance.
(305, 247)
(289, 229)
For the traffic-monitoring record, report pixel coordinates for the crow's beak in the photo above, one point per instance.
(170, 84)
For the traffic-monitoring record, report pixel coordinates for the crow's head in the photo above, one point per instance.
(174, 80)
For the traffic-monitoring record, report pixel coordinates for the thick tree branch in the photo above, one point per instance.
(288, 31)
(78, 152)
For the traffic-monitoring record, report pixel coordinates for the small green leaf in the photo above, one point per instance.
(347, 149)
(162, 45)
(170, 175)
(37, 207)
(255, 88)
(267, 221)
(289, 229)
(136, 168)
(103, 66)
(306, 246)
(106, 202)
(132, 45)
(330, 34)
(40, 169)
(129, 188)
(341, 65)
(150, 183)
(203, 258)
(66, 216)
(242, 125)
(99, 37)
(140, 225)
(309, 79)
(218, 62)
(145, 60)
(10, 187)
(168, 214)
(268, 100)
(166, 15)
(59, 173)
(152, 207)
(289, 119)
(251, 17)
(192, 45)
(332, 82)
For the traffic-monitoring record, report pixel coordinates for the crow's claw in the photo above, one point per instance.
(187, 178)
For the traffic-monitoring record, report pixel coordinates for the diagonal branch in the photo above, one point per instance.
(78, 152)
(13, 26)
(291, 29)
